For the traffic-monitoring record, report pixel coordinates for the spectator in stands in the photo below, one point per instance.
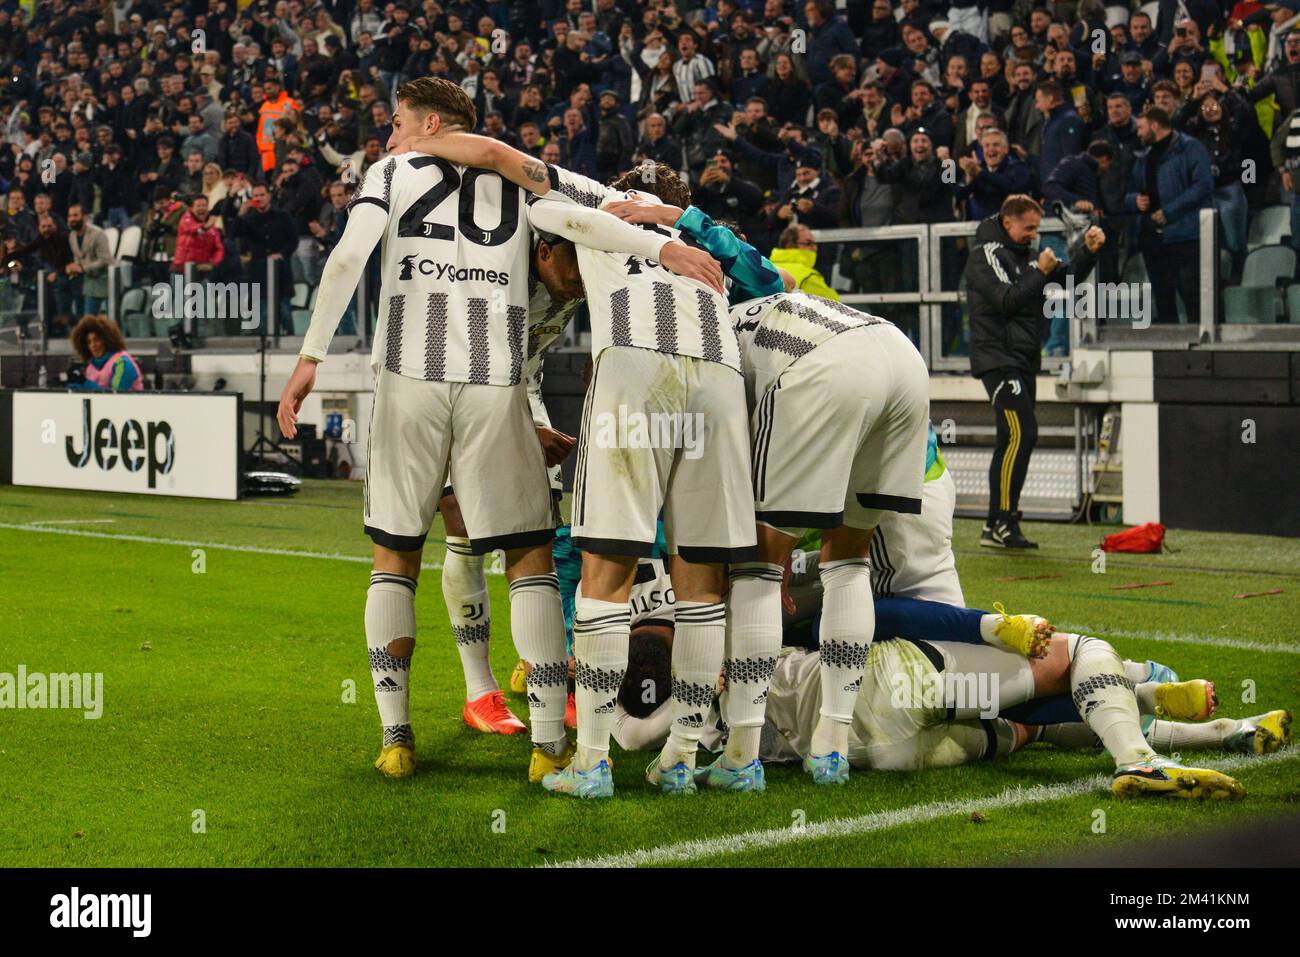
(1024, 119)
(199, 140)
(1132, 82)
(789, 96)
(1171, 182)
(1076, 182)
(1064, 133)
(828, 35)
(723, 194)
(577, 143)
(198, 240)
(656, 145)
(91, 258)
(236, 149)
(926, 112)
(694, 124)
(796, 253)
(924, 195)
(1005, 283)
(52, 253)
(164, 172)
(109, 367)
(614, 139)
(1221, 120)
(987, 182)
(160, 229)
(267, 234)
(981, 104)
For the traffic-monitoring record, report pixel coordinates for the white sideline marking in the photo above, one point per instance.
(687, 851)
(1241, 644)
(254, 549)
(72, 521)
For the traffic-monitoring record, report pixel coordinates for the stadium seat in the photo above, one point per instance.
(1293, 303)
(1117, 15)
(1152, 10)
(136, 320)
(113, 235)
(1269, 226)
(1256, 300)
(129, 243)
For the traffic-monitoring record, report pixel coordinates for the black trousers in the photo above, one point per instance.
(1013, 394)
(1174, 270)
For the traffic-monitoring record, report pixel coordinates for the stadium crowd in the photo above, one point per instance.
(233, 133)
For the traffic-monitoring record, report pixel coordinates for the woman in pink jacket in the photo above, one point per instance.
(108, 366)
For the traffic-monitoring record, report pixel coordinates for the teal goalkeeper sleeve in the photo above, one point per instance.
(752, 275)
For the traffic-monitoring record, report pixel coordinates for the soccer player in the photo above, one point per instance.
(919, 707)
(663, 353)
(449, 362)
(911, 554)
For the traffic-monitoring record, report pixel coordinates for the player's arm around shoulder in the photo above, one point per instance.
(484, 152)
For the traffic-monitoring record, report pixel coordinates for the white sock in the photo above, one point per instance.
(1104, 698)
(699, 643)
(1169, 736)
(1073, 736)
(600, 640)
(537, 626)
(1145, 693)
(1136, 671)
(464, 589)
(848, 624)
(390, 617)
(753, 643)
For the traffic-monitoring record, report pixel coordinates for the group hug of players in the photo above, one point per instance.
(808, 415)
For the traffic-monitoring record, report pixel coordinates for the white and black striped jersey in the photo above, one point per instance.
(639, 302)
(776, 330)
(453, 303)
(547, 320)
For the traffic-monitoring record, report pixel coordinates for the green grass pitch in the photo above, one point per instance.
(224, 694)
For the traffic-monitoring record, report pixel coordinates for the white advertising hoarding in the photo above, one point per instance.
(151, 443)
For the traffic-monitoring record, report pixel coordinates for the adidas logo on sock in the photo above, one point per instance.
(606, 708)
(854, 687)
(534, 701)
(695, 720)
(761, 699)
(387, 684)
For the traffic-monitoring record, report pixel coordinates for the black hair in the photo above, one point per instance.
(648, 682)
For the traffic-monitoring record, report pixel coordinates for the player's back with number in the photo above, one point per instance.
(453, 303)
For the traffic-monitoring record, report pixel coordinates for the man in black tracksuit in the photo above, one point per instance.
(1005, 283)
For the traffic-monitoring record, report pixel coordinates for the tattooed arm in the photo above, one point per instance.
(468, 149)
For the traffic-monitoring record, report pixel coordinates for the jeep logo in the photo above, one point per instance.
(134, 445)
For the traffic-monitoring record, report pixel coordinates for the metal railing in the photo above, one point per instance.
(909, 274)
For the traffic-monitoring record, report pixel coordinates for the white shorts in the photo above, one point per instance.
(911, 555)
(668, 432)
(421, 430)
(840, 437)
(902, 718)
(983, 680)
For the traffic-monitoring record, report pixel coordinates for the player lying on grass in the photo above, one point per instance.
(940, 703)
(449, 390)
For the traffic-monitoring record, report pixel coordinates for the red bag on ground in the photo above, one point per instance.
(1141, 538)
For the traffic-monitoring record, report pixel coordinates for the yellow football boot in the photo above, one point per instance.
(1027, 635)
(542, 764)
(1186, 700)
(397, 760)
(1163, 777)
